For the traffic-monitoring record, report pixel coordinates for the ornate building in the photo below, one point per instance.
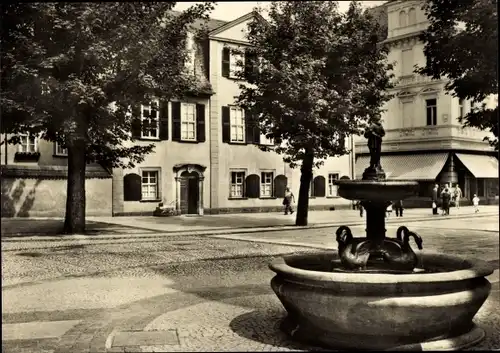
(424, 140)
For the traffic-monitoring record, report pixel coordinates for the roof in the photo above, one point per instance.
(211, 23)
(236, 22)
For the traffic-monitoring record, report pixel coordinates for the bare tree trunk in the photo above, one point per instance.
(305, 184)
(74, 221)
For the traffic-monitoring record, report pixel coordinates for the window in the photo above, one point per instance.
(431, 106)
(265, 141)
(237, 182)
(236, 69)
(29, 143)
(407, 114)
(332, 188)
(237, 121)
(149, 185)
(402, 19)
(266, 184)
(60, 150)
(407, 62)
(412, 16)
(150, 118)
(190, 48)
(460, 108)
(188, 121)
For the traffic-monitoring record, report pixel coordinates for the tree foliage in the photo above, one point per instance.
(461, 45)
(71, 72)
(321, 77)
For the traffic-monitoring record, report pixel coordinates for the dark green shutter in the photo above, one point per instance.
(176, 121)
(252, 186)
(280, 183)
(200, 122)
(136, 122)
(226, 125)
(163, 120)
(225, 62)
(319, 186)
(132, 187)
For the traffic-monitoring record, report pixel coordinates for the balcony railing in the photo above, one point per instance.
(413, 79)
(423, 133)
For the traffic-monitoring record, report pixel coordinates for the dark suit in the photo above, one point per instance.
(398, 205)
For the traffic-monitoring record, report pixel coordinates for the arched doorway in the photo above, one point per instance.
(190, 192)
(189, 188)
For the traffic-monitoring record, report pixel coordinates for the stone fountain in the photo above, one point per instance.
(376, 293)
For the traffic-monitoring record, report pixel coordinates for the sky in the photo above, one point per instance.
(231, 10)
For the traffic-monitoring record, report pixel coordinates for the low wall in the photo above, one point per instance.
(41, 192)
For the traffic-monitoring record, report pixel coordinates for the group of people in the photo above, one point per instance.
(448, 197)
(398, 207)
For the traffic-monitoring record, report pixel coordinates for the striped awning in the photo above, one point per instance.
(481, 166)
(406, 167)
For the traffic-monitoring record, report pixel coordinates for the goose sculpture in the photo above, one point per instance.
(407, 260)
(352, 255)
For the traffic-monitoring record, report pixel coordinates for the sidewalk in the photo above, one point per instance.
(152, 227)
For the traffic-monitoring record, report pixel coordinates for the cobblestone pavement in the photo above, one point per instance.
(184, 293)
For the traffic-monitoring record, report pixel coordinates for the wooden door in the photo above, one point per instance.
(184, 195)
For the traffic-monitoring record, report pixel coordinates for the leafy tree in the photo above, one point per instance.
(461, 44)
(72, 71)
(321, 77)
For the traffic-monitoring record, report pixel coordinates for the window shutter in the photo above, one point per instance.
(132, 187)
(256, 134)
(226, 125)
(176, 121)
(250, 66)
(136, 122)
(200, 122)
(280, 183)
(319, 186)
(163, 121)
(252, 186)
(225, 62)
(249, 130)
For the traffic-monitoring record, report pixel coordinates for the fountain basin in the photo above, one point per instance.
(352, 310)
(377, 191)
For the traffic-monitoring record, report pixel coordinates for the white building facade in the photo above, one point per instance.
(424, 140)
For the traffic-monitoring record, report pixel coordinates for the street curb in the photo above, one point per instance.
(223, 231)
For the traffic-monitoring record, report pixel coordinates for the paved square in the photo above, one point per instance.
(36, 330)
(145, 338)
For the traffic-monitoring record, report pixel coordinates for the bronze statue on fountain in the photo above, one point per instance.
(375, 251)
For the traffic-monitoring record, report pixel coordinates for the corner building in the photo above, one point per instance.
(424, 140)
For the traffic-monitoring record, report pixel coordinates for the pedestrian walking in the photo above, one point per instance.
(360, 208)
(287, 201)
(388, 210)
(445, 201)
(458, 195)
(475, 202)
(435, 199)
(398, 207)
